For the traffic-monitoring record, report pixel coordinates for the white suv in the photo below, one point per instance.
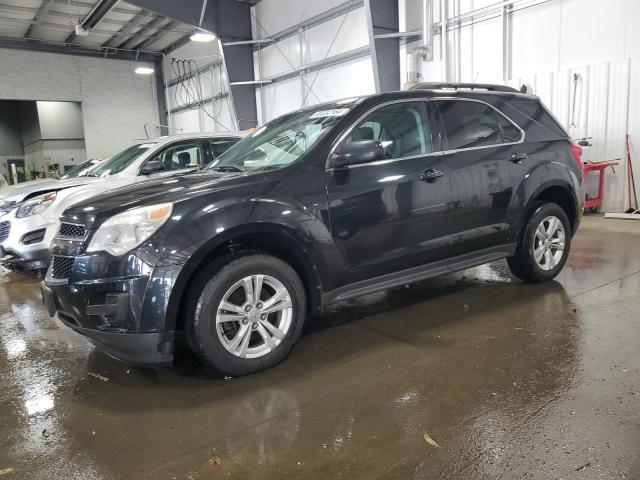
(29, 222)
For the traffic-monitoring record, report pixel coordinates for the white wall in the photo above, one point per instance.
(60, 120)
(116, 103)
(552, 41)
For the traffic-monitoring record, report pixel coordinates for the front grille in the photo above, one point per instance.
(5, 228)
(71, 230)
(7, 206)
(61, 267)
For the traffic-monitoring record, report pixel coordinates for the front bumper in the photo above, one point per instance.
(140, 349)
(109, 313)
(19, 251)
(31, 260)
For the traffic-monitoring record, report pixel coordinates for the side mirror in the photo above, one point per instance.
(361, 151)
(152, 166)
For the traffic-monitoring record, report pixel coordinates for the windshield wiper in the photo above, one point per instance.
(228, 168)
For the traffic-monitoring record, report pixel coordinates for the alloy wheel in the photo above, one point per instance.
(549, 243)
(254, 316)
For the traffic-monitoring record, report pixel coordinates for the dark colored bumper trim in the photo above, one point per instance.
(116, 304)
(153, 349)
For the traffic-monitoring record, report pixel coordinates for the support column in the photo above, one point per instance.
(507, 41)
(230, 20)
(382, 18)
(161, 94)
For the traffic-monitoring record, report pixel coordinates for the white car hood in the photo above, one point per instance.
(17, 193)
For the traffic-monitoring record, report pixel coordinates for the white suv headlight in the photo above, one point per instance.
(36, 205)
(125, 231)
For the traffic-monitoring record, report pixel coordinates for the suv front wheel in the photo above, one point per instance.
(544, 245)
(248, 312)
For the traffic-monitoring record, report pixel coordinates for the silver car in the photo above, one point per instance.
(29, 222)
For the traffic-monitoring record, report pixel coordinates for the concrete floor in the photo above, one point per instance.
(510, 380)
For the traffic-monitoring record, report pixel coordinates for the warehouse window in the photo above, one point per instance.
(401, 127)
(474, 124)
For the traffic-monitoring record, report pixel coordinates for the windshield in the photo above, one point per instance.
(119, 162)
(281, 141)
(80, 170)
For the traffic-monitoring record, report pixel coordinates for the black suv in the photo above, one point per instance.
(317, 206)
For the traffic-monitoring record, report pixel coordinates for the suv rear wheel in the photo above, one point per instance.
(248, 312)
(544, 245)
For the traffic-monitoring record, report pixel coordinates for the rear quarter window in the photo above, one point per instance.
(533, 117)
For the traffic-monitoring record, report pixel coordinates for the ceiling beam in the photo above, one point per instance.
(93, 18)
(229, 18)
(89, 5)
(42, 12)
(162, 31)
(47, 47)
(127, 29)
(141, 35)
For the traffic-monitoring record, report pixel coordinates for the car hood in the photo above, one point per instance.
(171, 189)
(17, 193)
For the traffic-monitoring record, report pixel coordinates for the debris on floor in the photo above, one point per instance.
(430, 440)
(215, 461)
(582, 467)
(102, 378)
(6, 471)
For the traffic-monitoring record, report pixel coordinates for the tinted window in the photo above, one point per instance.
(184, 155)
(532, 114)
(474, 124)
(509, 131)
(402, 128)
(221, 144)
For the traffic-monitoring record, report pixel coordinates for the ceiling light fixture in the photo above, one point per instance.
(144, 70)
(202, 37)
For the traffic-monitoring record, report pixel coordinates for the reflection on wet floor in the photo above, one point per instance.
(510, 380)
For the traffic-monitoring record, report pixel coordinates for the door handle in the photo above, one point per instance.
(517, 157)
(430, 175)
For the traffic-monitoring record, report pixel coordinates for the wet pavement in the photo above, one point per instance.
(509, 380)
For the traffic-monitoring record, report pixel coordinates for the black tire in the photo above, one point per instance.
(208, 291)
(523, 264)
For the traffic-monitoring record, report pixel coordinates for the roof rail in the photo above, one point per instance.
(470, 86)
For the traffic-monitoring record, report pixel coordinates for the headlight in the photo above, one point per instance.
(36, 205)
(125, 231)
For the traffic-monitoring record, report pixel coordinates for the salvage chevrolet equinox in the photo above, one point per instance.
(317, 206)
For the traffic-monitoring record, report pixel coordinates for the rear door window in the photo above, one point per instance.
(470, 124)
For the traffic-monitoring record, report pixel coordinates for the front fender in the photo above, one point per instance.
(198, 232)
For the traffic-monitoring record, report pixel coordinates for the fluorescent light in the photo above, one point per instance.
(144, 70)
(202, 37)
